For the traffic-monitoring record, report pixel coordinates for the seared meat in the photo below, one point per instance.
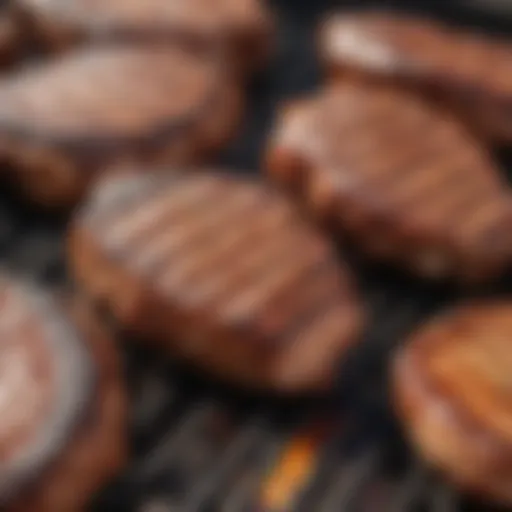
(244, 27)
(404, 179)
(63, 409)
(219, 271)
(64, 121)
(469, 71)
(452, 385)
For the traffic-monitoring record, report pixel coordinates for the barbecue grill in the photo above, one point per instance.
(199, 445)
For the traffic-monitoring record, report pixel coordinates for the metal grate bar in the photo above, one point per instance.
(412, 491)
(241, 496)
(443, 499)
(230, 462)
(161, 457)
(377, 495)
(150, 400)
(154, 404)
(350, 482)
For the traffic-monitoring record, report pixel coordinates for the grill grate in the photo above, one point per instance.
(200, 447)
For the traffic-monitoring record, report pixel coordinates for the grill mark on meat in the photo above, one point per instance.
(191, 232)
(390, 164)
(177, 279)
(327, 324)
(127, 227)
(118, 194)
(408, 163)
(313, 359)
(398, 136)
(258, 229)
(370, 139)
(423, 183)
(289, 286)
(475, 196)
(234, 277)
(275, 280)
(482, 219)
(497, 237)
(353, 124)
(399, 171)
(196, 259)
(142, 247)
(451, 210)
(280, 316)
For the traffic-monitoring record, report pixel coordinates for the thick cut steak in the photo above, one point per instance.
(403, 178)
(62, 427)
(452, 385)
(219, 271)
(64, 121)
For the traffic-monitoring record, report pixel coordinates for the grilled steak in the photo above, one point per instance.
(452, 386)
(62, 426)
(470, 71)
(401, 177)
(244, 26)
(219, 271)
(62, 122)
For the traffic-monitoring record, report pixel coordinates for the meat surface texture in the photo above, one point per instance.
(64, 121)
(243, 27)
(404, 179)
(451, 386)
(63, 410)
(468, 70)
(218, 271)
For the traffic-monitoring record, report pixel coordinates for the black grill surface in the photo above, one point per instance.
(199, 446)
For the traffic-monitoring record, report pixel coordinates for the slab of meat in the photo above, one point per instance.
(63, 121)
(63, 409)
(468, 70)
(452, 383)
(218, 271)
(404, 179)
(244, 27)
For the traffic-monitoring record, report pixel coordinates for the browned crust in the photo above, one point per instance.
(379, 230)
(99, 449)
(56, 174)
(448, 436)
(226, 352)
(486, 113)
